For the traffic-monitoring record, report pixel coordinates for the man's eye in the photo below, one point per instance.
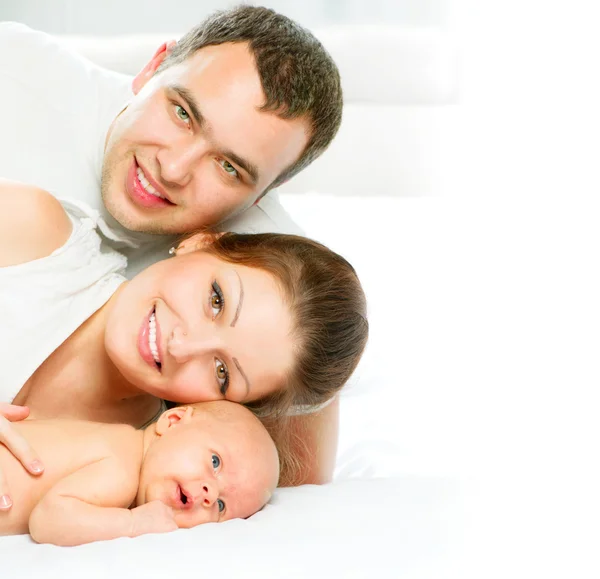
(182, 113)
(228, 168)
(221, 505)
(216, 461)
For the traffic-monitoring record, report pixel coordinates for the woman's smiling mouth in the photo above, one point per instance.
(149, 341)
(152, 339)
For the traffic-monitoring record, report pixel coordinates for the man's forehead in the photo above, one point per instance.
(232, 55)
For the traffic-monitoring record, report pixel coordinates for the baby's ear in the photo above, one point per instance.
(197, 241)
(172, 417)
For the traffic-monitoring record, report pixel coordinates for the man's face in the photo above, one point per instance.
(193, 148)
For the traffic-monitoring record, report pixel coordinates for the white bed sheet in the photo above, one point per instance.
(395, 507)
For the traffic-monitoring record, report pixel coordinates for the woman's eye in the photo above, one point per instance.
(217, 301)
(221, 505)
(216, 461)
(228, 168)
(182, 113)
(222, 376)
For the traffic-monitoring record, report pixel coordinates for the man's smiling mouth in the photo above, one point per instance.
(146, 184)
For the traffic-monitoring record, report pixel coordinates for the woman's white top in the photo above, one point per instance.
(43, 302)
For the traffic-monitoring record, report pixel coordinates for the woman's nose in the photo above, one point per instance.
(185, 345)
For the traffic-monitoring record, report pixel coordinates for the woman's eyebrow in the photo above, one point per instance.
(240, 302)
(237, 364)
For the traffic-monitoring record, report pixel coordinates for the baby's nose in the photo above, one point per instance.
(208, 494)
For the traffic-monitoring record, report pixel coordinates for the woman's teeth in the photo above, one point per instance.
(146, 184)
(152, 338)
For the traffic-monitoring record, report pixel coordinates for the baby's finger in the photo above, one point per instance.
(5, 500)
(20, 448)
(13, 413)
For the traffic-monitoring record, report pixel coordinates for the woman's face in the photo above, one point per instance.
(195, 328)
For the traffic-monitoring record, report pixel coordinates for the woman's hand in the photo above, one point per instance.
(17, 445)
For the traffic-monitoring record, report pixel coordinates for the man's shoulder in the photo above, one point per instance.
(53, 68)
(26, 51)
(268, 216)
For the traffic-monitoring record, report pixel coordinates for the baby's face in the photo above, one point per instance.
(210, 462)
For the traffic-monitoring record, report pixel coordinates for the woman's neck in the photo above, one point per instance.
(79, 380)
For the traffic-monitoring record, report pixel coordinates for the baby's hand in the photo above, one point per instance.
(152, 517)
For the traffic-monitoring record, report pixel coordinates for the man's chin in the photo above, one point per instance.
(128, 218)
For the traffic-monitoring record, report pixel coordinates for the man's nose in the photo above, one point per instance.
(185, 345)
(178, 162)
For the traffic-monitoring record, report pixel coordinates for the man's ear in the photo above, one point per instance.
(198, 241)
(172, 417)
(148, 71)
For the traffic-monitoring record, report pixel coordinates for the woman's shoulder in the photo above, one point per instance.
(33, 223)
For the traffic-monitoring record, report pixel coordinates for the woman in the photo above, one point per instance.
(275, 322)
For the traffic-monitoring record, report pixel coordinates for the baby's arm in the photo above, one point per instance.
(80, 508)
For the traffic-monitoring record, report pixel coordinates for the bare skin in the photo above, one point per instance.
(18, 245)
(96, 472)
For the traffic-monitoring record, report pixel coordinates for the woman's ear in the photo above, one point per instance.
(148, 71)
(197, 241)
(172, 417)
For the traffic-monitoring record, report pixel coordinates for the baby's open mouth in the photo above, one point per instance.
(185, 498)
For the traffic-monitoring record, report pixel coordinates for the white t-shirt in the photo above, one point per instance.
(42, 302)
(55, 110)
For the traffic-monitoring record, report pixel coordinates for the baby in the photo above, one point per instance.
(200, 463)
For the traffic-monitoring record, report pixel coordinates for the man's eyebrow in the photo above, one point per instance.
(235, 361)
(249, 167)
(191, 103)
(240, 302)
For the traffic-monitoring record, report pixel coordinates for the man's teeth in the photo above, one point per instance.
(152, 338)
(146, 184)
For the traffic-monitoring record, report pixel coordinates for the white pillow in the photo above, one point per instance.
(395, 527)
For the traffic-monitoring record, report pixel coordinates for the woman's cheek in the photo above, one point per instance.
(192, 389)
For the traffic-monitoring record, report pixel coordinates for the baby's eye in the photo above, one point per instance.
(216, 461)
(221, 505)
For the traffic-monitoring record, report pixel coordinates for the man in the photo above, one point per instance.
(211, 124)
(198, 138)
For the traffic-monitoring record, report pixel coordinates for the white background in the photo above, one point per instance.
(125, 17)
(516, 338)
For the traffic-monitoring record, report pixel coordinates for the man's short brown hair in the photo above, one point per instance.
(298, 76)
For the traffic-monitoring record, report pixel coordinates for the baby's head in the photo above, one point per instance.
(210, 462)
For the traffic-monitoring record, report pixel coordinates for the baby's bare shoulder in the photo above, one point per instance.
(125, 444)
(118, 458)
